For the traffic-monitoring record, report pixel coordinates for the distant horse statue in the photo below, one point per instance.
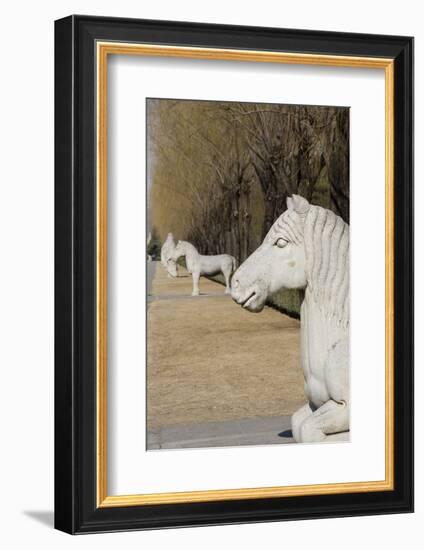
(149, 240)
(166, 256)
(199, 265)
(308, 247)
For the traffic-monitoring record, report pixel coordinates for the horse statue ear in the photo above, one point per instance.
(289, 203)
(300, 204)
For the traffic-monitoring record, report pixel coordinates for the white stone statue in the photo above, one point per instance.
(199, 265)
(166, 256)
(308, 247)
(149, 239)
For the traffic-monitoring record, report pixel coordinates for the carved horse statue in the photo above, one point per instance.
(166, 256)
(149, 240)
(308, 247)
(199, 265)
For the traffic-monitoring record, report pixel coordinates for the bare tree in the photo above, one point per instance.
(209, 158)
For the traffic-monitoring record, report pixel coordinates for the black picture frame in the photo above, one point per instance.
(76, 510)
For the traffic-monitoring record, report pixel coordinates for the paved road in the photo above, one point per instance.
(246, 431)
(151, 270)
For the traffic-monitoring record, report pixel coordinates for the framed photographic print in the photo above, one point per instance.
(234, 274)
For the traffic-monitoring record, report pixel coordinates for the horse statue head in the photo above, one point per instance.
(279, 263)
(306, 248)
(174, 255)
(171, 267)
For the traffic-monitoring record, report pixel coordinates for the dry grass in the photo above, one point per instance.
(210, 360)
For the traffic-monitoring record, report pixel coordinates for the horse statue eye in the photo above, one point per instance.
(281, 243)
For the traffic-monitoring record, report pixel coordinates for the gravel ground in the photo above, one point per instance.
(211, 361)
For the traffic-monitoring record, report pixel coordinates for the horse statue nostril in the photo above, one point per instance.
(235, 283)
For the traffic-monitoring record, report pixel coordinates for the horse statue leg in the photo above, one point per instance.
(227, 275)
(330, 421)
(196, 277)
(298, 418)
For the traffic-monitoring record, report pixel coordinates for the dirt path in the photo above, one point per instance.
(211, 361)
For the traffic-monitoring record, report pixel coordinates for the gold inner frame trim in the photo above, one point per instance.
(103, 50)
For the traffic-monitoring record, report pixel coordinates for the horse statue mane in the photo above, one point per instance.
(326, 240)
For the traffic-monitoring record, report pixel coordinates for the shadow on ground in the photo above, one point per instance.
(46, 517)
